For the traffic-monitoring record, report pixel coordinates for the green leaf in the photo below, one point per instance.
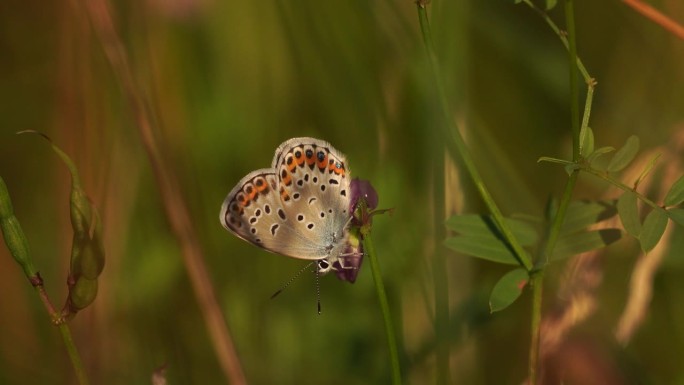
(581, 214)
(554, 160)
(479, 237)
(508, 289)
(653, 229)
(550, 4)
(581, 242)
(629, 213)
(624, 155)
(586, 135)
(646, 169)
(677, 215)
(601, 151)
(676, 194)
(484, 248)
(483, 226)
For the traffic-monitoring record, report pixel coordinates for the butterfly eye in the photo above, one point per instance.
(323, 265)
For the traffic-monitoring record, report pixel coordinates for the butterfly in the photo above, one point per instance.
(300, 207)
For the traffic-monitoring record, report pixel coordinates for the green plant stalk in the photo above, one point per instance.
(64, 330)
(575, 64)
(561, 36)
(457, 148)
(604, 175)
(73, 354)
(18, 246)
(537, 278)
(587, 105)
(369, 251)
(574, 85)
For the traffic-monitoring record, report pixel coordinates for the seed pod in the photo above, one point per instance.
(87, 252)
(81, 294)
(14, 236)
(91, 258)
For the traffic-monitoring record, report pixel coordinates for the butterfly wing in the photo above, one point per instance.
(253, 211)
(314, 186)
(298, 208)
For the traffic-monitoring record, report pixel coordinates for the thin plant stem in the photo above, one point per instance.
(369, 251)
(175, 205)
(58, 320)
(538, 278)
(73, 354)
(604, 175)
(657, 17)
(562, 36)
(587, 104)
(574, 85)
(457, 148)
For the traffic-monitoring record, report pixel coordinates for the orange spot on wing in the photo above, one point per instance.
(300, 159)
(260, 185)
(287, 180)
(337, 170)
(324, 162)
(284, 195)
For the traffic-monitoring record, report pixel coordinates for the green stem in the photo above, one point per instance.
(457, 148)
(604, 175)
(537, 279)
(587, 104)
(73, 354)
(369, 251)
(562, 37)
(560, 216)
(574, 85)
(575, 64)
(58, 320)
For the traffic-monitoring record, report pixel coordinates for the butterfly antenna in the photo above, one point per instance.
(318, 289)
(294, 277)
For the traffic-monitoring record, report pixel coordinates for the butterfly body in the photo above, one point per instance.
(299, 207)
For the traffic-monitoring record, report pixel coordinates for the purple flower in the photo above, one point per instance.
(362, 188)
(352, 258)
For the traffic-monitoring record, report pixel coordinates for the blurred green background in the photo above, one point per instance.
(229, 81)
